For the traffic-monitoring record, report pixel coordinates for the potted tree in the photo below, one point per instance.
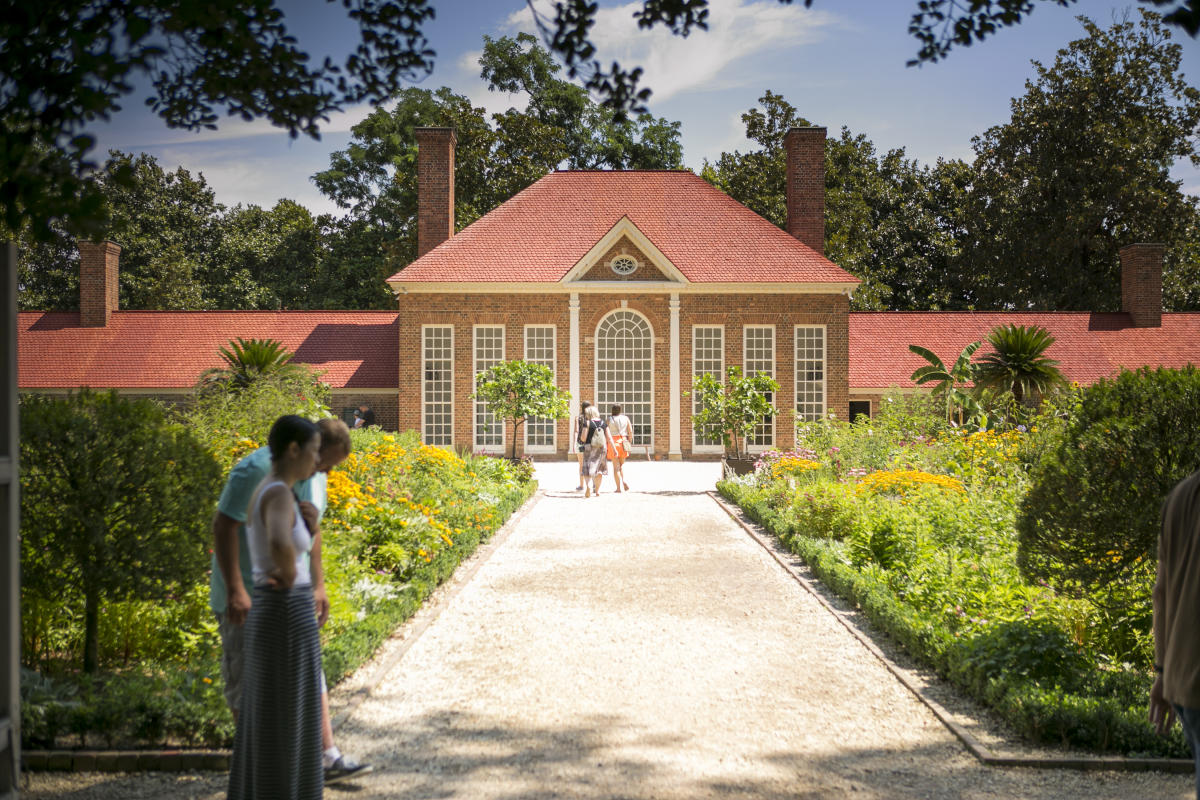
(733, 408)
(519, 391)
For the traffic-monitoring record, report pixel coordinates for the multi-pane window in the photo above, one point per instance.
(708, 358)
(489, 351)
(810, 373)
(437, 390)
(539, 349)
(625, 370)
(759, 350)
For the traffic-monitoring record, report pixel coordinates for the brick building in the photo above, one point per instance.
(626, 284)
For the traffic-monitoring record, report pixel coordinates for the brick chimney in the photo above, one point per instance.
(805, 148)
(435, 187)
(98, 288)
(1141, 284)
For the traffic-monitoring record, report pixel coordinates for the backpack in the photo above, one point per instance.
(593, 426)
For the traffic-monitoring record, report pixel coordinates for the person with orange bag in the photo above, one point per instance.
(620, 435)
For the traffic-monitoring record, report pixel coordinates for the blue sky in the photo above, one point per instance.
(841, 63)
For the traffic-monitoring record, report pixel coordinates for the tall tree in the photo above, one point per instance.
(110, 490)
(1083, 168)
(884, 214)
(65, 65)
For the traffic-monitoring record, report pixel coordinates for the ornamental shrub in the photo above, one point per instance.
(1090, 521)
(115, 504)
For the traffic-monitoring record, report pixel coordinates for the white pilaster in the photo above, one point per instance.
(573, 355)
(675, 454)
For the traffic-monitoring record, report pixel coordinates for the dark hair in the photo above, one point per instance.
(584, 405)
(287, 429)
(614, 411)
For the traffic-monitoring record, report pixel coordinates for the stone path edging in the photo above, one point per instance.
(978, 750)
(218, 760)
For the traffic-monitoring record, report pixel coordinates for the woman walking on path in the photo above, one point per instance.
(277, 747)
(595, 452)
(580, 432)
(620, 430)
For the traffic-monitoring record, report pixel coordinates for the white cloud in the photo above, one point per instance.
(737, 30)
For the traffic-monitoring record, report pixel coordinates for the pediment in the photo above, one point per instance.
(624, 255)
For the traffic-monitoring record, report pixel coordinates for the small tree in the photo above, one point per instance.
(519, 391)
(115, 500)
(733, 407)
(951, 381)
(247, 361)
(1018, 363)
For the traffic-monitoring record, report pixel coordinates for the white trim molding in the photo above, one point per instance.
(573, 354)
(674, 453)
(724, 289)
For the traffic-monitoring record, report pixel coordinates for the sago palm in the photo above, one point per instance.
(247, 360)
(1018, 362)
(951, 381)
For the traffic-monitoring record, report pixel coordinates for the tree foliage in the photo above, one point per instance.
(66, 65)
(519, 391)
(951, 382)
(733, 407)
(114, 500)
(888, 221)
(1018, 363)
(375, 177)
(1082, 169)
(1090, 521)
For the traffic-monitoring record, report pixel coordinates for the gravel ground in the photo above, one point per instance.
(643, 646)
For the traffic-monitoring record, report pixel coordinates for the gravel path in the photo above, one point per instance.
(642, 646)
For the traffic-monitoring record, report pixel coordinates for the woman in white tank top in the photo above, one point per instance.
(277, 747)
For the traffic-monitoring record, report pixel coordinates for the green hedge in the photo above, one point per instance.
(1107, 712)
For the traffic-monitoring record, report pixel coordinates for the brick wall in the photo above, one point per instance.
(385, 405)
(805, 148)
(98, 282)
(783, 312)
(463, 312)
(435, 187)
(1141, 284)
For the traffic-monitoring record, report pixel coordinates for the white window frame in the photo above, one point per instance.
(603, 407)
(770, 443)
(796, 382)
(720, 375)
(479, 406)
(553, 446)
(425, 383)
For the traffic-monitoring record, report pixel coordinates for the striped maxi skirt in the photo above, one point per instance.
(277, 747)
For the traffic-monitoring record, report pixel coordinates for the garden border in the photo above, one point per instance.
(218, 760)
(978, 750)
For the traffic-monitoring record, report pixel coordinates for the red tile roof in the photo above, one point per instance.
(543, 231)
(169, 349)
(1088, 346)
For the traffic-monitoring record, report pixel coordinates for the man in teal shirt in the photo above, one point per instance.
(229, 596)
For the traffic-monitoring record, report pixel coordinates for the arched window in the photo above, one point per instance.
(625, 370)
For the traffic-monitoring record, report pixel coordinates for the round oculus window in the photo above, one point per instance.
(623, 265)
